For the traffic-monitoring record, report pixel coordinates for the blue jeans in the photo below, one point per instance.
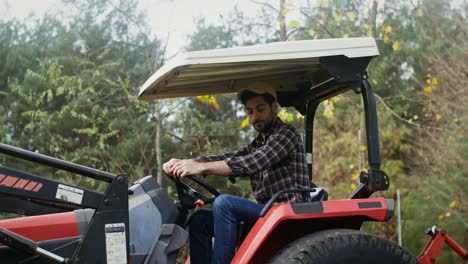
(222, 223)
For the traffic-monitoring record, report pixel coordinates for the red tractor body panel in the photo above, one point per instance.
(286, 222)
(44, 227)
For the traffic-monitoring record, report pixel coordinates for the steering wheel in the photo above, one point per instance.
(189, 196)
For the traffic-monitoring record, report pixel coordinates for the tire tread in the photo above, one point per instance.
(316, 247)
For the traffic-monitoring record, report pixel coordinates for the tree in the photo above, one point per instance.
(439, 148)
(78, 89)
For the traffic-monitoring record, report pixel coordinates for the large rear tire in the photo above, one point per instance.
(340, 246)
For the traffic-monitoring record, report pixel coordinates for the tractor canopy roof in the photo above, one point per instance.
(300, 71)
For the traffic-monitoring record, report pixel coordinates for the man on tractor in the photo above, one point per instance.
(274, 161)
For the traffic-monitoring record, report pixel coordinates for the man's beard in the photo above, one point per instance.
(263, 125)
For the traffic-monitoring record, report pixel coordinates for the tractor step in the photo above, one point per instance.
(27, 245)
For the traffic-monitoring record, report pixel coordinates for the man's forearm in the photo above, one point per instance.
(216, 168)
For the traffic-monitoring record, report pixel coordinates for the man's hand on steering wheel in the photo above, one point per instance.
(177, 170)
(187, 167)
(183, 168)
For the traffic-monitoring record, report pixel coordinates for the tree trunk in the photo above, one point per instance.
(282, 20)
(157, 145)
(157, 115)
(373, 19)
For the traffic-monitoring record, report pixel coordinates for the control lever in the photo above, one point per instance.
(23, 244)
(232, 179)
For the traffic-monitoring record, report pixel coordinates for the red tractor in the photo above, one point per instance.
(141, 224)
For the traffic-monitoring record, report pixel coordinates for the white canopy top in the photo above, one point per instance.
(228, 70)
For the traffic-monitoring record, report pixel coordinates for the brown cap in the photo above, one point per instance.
(258, 87)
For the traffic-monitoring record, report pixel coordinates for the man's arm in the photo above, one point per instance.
(186, 167)
(209, 158)
(212, 164)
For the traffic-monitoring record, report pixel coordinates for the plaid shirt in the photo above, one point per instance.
(274, 164)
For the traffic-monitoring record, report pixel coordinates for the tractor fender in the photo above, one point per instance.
(285, 223)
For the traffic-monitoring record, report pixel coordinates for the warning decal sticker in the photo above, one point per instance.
(69, 194)
(116, 249)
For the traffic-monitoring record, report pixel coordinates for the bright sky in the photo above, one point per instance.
(173, 16)
(177, 16)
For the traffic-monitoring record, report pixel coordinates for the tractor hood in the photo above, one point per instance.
(292, 67)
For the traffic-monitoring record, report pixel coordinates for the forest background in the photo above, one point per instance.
(68, 89)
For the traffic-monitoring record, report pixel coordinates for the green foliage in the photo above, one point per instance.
(74, 94)
(443, 185)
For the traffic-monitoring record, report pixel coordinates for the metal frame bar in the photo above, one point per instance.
(42, 191)
(372, 126)
(375, 179)
(309, 133)
(56, 163)
(432, 249)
